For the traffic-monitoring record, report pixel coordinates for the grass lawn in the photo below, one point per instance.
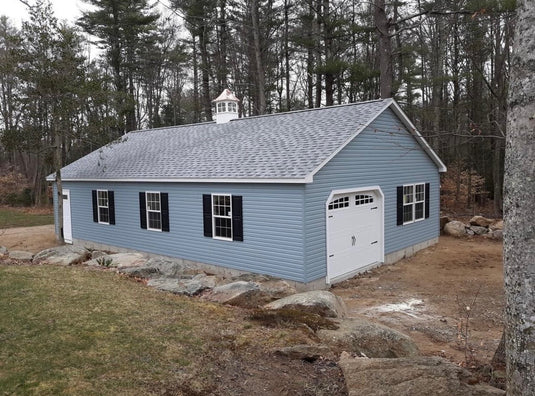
(19, 217)
(73, 330)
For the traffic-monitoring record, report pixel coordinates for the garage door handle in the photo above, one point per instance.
(373, 242)
(353, 240)
(375, 207)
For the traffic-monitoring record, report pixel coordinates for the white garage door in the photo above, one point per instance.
(354, 232)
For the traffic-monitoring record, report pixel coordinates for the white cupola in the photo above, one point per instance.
(226, 107)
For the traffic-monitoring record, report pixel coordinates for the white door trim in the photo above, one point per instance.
(328, 277)
(67, 221)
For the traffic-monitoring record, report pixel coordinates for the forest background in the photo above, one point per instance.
(446, 62)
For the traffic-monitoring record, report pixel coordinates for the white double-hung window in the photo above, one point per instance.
(103, 207)
(222, 216)
(154, 211)
(413, 203)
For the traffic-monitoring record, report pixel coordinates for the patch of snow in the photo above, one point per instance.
(409, 307)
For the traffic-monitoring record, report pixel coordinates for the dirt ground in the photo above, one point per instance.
(30, 239)
(431, 295)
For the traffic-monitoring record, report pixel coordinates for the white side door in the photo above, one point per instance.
(67, 229)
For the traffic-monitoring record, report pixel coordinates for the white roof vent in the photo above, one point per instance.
(226, 107)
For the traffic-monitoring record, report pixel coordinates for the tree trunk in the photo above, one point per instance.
(205, 72)
(196, 104)
(58, 161)
(384, 48)
(287, 54)
(260, 76)
(519, 241)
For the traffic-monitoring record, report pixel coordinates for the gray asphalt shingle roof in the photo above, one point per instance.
(279, 146)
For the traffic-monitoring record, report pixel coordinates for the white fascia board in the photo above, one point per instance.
(412, 129)
(307, 179)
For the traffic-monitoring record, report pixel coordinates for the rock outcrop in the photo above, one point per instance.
(20, 255)
(368, 339)
(419, 376)
(320, 302)
(455, 228)
(62, 255)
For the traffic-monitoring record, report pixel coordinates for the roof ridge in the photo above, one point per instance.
(258, 116)
(307, 110)
(171, 127)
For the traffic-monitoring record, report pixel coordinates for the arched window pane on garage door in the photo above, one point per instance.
(363, 199)
(342, 202)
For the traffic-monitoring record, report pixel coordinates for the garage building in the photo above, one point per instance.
(312, 196)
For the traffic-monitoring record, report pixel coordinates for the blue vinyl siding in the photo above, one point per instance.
(272, 225)
(384, 154)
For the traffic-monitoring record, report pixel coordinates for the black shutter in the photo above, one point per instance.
(426, 204)
(164, 201)
(111, 206)
(95, 207)
(142, 210)
(207, 214)
(237, 218)
(400, 205)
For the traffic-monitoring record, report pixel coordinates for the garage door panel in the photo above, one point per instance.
(354, 232)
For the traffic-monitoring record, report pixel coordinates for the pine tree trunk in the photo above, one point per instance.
(384, 48)
(57, 165)
(260, 77)
(519, 241)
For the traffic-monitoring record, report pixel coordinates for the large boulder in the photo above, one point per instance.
(481, 221)
(417, 376)
(320, 302)
(368, 339)
(497, 225)
(443, 221)
(478, 230)
(240, 293)
(20, 255)
(3, 250)
(275, 289)
(171, 268)
(120, 260)
(160, 267)
(62, 255)
(455, 228)
(188, 287)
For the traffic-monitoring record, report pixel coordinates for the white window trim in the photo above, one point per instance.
(227, 104)
(147, 210)
(414, 202)
(107, 207)
(224, 217)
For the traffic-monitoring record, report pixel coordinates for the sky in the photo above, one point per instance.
(64, 9)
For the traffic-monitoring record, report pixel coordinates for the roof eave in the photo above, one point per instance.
(301, 180)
